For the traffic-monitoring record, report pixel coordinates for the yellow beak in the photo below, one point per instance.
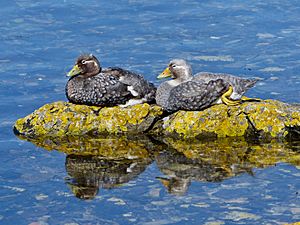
(74, 71)
(166, 73)
(164, 181)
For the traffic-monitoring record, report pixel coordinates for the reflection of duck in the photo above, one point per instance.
(175, 185)
(90, 85)
(188, 92)
(88, 174)
(182, 170)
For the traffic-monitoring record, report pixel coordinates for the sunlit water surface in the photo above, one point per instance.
(170, 183)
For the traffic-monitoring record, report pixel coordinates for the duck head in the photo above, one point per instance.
(86, 65)
(178, 69)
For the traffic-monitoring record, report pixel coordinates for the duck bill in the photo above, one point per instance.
(164, 181)
(166, 73)
(74, 71)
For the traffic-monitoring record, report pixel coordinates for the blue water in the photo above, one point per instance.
(39, 42)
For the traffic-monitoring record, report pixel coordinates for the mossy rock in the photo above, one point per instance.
(64, 119)
(267, 119)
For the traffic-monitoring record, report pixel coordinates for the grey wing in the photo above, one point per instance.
(109, 91)
(196, 95)
(114, 71)
(239, 84)
(138, 85)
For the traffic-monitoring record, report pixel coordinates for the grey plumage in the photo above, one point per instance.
(190, 95)
(100, 90)
(188, 92)
(90, 85)
(239, 85)
(144, 88)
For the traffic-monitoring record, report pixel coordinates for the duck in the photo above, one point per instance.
(194, 93)
(89, 84)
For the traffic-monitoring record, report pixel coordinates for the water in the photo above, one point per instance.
(159, 182)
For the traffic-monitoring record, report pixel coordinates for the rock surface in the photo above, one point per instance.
(266, 119)
(63, 119)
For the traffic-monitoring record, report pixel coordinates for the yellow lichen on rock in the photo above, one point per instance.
(214, 121)
(266, 119)
(61, 119)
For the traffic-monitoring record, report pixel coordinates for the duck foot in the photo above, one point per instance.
(246, 99)
(227, 101)
(226, 98)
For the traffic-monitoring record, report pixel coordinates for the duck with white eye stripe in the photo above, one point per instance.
(89, 84)
(188, 92)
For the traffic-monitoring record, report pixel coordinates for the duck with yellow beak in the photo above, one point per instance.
(188, 92)
(89, 84)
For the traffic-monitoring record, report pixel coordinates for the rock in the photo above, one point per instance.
(266, 119)
(63, 119)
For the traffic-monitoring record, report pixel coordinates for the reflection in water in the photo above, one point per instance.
(108, 147)
(89, 173)
(109, 161)
(182, 170)
(216, 160)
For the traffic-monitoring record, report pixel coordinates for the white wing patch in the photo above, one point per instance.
(132, 91)
(218, 101)
(133, 102)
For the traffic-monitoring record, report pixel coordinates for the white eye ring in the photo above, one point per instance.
(83, 61)
(173, 65)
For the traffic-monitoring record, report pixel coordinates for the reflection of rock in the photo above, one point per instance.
(89, 173)
(266, 119)
(108, 147)
(62, 118)
(216, 160)
(236, 153)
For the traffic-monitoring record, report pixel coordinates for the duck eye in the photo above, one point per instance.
(173, 65)
(83, 61)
